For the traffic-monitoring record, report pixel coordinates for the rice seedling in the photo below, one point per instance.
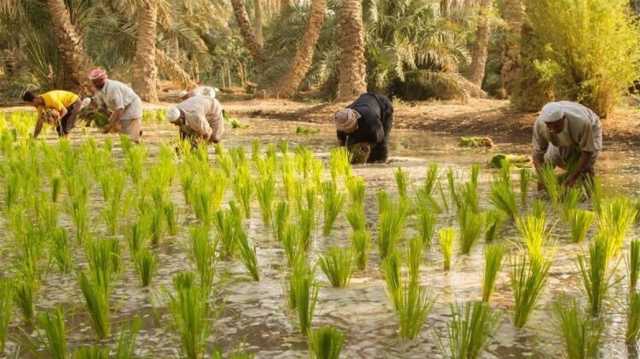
(61, 250)
(594, 191)
(56, 183)
(135, 157)
(453, 191)
(493, 223)
(470, 328)
(280, 220)
(581, 333)
(431, 179)
(391, 221)
(570, 200)
(127, 340)
(402, 182)
(390, 267)
(112, 191)
(633, 265)
(224, 160)
(597, 273)
(471, 227)
(539, 209)
(356, 189)
(616, 218)
(580, 222)
(326, 343)
(333, 202)
(146, 265)
(528, 277)
(6, 309)
(103, 257)
(445, 238)
(306, 223)
(356, 218)
(247, 251)
(549, 179)
(24, 292)
(361, 244)
(53, 325)
(292, 244)
(78, 204)
(265, 191)
(207, 193)
(243, 189)
(633, 319)
(533, 230)
(493, 255)
(502, 196)
(426, 219)
(203, 255)
(525, 179)
(96, 297)
(414, 258)
(303, 294)
(337, 265)
(190, 313)
(339, 164)
(92, 352)
(414, 306)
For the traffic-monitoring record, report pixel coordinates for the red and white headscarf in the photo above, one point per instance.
(97, 74)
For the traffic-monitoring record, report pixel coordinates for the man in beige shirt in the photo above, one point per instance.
(199, 118)
(567, 135)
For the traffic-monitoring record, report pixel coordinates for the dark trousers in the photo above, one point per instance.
(68, 122)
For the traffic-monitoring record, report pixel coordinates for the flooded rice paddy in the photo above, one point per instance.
(254, 317)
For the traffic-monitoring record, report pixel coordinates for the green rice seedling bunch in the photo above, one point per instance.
(226, 227)
(471, 228)
(534, 231)
(127, 340)
(445, 239)
(426, 222)
(112, 192)
(616, 218)
(549, 179)
(290, 182)
(357, 218)
(6, 309)
(339, 164)
(503, 197)
(402, 183)
(455, 197)
(190, 312)
(96, 297)
(391, 222)
(146, 264)
(266, 191)
(414, 306)
(156, 224)
(134, 160)
(79, 204)
(633, 319)
(580, 332)
(528, 278)
(595, 192)
(247, 251)
(243, 189)
(326, 343)
(391, 269)
(303, 160)
(292, 244)
(431, 180)
(525, 180)
(307, 218)
(570, 201)
(539, 209)
(493, 256)
(317, 172)
(333, 201)
(203, 254)
(356, 189)
(494, 220)
(337, 265)
(61, 250)
(138, 234)
(303, 294)
(361, 244)
(281, 220)
(207, 193)
(597, 272)
(470, 328)
(580, 222)
(633, 265)
(91, 352)
(414, 258)
(224, 160)
(53, 325)
(103, 257)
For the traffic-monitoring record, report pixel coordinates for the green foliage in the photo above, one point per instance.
(402, 182)
(243, 189)
(413, 308)
(525, 179)
(502, 195)
(333, 202)
(574, 37)
(390, 267)
(580, 221)
(203, 254)
(426, 219)
(54, 328)
(127, 340)
(493, 255)
(445, 238)
(265, 190)
(337, 265)
(339, 164)
(597, 272)
(493, 223)
(280, 220)
(414, 258)
(303, 294)
(190, 313)
(581, 333)
(61, 250)
(528, 278)
(471, 226)
(534, 231)
(146, 264)
(547, 175)
(96, 297)
(361, 244)
(6, 309)
(326, 343)
(633, 319)
(470, 328)
(616, 218)
(391, 221)
(247, 251)
(24, 292)
(633, 265)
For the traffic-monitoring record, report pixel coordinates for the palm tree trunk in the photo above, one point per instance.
(258, 22)
(481, 47)
(513, 15)
(288, 85)
(172, 69)
(145, 74)
(352, 67)
(246, 30)
(70, 46)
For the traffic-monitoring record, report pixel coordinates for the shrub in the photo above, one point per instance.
(471, 326)
(326, 343)
(337, 266)
(581, 333)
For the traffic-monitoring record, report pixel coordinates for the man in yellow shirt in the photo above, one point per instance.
(58, 107)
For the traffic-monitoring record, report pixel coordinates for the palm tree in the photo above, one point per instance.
(513, 14)
(145, 71)
(352, 68)
(480, 49)
(257, 10)
(246, 30)
(71, 45)
(289, 83)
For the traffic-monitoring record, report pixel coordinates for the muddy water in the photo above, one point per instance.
(253, 316)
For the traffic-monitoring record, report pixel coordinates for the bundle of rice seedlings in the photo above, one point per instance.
(470, 328)
(471, 226)
(135, 157)
(493, 223)
(326, 343)
(453, 191)
(265, 191)
(356, 218)
(203, 254)
(493, 255)
(56, 183)
(127, 340)
(112, 192)
(247, 251)
(539, 209)
(547, 175)
(581, 333)
(303, 294)
(534, 231)
(402, 182)
(280, 220)
(414, 306)
(53, 325)
(333, 202)
(616, 218)
(306, 223)
(207, 193)
(61, 250)
(431, 179)
(356, 189)
(503, 197)
(339, 164)
(580, 221)
(78, 205)
(414, 258)
(595, 192)
(6, 308)
(292, 244)
(361, 244)
(91, 352)
(337, 265)
(571, 198)
(243, 189)
(525, 179)
(24, 292)
(426, 225)
(224, 160)
(633, 265)
(96, 297)
(103, 257)
(597, 273)
(391, 221)
(190, 312)
(390, 267)
(146, 264)
(528, 277)
(445, 239)
(633, 319)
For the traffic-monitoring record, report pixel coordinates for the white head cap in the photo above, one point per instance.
(173, 114)
(551, 112)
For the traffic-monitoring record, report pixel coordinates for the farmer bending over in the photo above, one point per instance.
(58, 108)
(199, 119)
(567, 135)
(123, 106)
(364, 127)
